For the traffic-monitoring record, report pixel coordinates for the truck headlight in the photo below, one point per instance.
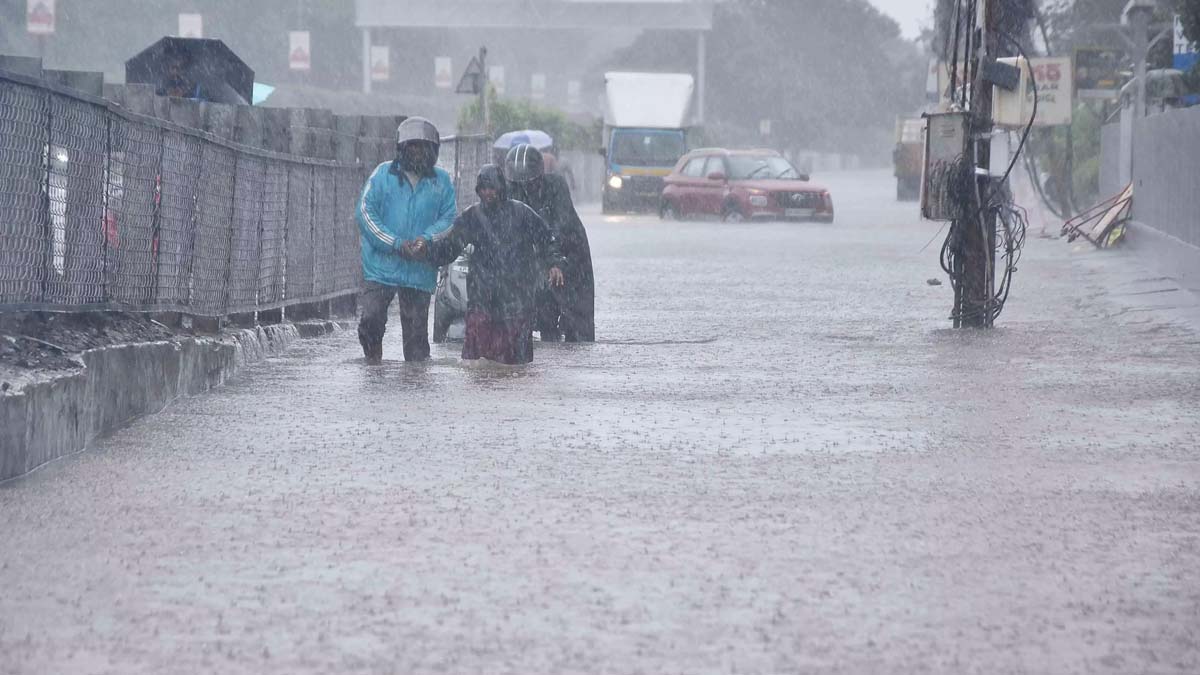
(759, 200)
(615, 182)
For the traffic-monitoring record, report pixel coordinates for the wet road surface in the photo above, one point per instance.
(778, 459)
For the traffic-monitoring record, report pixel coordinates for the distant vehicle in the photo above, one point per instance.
(737, 185)
(645, 132)
(450, 299)
(908, 157)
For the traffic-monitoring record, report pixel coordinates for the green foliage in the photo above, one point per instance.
(514, 115)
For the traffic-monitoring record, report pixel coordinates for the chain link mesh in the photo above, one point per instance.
(102, 209)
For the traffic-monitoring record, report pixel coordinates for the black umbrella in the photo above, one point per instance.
(193, 68)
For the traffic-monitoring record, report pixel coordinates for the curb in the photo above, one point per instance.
(45, 419)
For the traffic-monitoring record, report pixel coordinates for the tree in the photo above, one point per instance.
(829, 76)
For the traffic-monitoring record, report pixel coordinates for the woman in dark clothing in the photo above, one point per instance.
(514, 250)
(568, 312)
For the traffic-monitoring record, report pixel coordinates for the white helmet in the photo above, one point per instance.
(417, 129)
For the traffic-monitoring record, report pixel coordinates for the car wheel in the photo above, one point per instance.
(667, 212)
(442, 318)
(732, 214)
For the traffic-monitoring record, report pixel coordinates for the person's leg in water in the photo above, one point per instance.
(374, 301)
(547, 314)
(507, 341)
(414, 322)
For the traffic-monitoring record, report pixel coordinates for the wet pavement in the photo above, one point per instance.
(778, 459)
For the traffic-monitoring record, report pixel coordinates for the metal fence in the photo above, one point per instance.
(104, 209)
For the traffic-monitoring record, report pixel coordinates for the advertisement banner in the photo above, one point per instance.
(381, 69)
(39, 17)
(299, 52)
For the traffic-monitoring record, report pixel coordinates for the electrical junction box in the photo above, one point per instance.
(1055, 93)
(946, 168)
(1013, 108)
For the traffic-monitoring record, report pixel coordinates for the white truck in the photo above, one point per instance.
(646, 118)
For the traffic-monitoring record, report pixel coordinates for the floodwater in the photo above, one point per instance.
(779, 458)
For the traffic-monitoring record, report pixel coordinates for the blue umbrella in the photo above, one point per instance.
(538, 139)
(262, 92)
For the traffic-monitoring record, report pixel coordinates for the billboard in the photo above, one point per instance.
(299, 50)
(39, 17)
(443, 72)
(1098, 72)
(381, 66)
(191, 26)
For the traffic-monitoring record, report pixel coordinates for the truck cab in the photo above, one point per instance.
(645, 131)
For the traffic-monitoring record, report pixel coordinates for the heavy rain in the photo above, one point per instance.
(599, 336)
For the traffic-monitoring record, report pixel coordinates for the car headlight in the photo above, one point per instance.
(759, 200)
(615, 182)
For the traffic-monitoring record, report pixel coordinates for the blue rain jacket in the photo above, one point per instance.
(391, 212)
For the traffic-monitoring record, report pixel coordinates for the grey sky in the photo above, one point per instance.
(910, 14)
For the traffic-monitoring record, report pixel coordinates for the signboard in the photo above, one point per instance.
(574, 94)
(931, 81)
(443, 72)
(472, 81)
(1098, 72)
(943, 80)
(39, 17)
(191, 26)
(299, 51)
(496, 77)
(1055, 98)
(381, 68)
(764, 127)
(537, 87)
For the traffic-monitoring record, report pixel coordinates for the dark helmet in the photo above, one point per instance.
(524, 164)
(490, 176)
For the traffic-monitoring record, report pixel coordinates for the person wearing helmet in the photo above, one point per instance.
(567, 312)
(404, 199)
(514, 250)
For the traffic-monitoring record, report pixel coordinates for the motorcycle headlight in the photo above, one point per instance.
(615, 182)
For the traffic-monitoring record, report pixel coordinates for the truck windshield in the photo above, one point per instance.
(647, 149)
(743, 167)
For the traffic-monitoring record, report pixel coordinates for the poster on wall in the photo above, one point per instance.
(381, 70)
(39, 17)
(443, 72)
(299, 50)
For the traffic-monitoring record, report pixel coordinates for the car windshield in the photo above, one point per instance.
(744, 167)
(651, 149)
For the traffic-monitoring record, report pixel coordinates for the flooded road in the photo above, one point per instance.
(778, 458)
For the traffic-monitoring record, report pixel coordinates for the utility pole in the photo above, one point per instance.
(979, 227)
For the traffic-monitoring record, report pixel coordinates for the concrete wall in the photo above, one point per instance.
(1166, 173)
(1166, 189)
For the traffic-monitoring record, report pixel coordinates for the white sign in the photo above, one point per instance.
(1055, 91)
(299, 50)
(764, 127)
(191, 26)
(537, 86)
(574, 94)
(496, 77)
(39, 17)
(381, 69)
(443, 72)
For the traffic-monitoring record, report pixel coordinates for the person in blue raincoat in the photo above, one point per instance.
(403, 200)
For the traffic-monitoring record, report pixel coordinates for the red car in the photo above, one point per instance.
(738, 185)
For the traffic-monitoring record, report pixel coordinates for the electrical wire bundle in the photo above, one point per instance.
(994, 202)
